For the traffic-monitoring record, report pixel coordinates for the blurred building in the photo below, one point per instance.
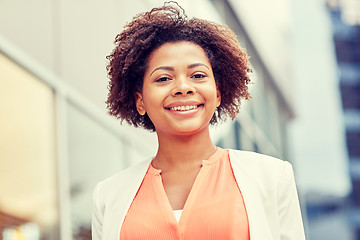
(317, 132)
(346, 29)
(57, 141)
(261, 125)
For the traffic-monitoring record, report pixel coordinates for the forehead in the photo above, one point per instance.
(172, 53)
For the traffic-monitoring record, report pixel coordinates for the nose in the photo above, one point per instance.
(183, 86)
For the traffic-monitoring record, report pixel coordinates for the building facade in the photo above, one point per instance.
(346, 29)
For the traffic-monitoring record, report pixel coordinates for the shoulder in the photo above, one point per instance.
(112, 197)
(260, 166)
(267, 184)
(254, 159)
(122, 180)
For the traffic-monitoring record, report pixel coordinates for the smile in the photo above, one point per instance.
(184, 108)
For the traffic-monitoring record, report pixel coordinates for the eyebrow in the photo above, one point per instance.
(163, 67)
(169, 68)
(197, 65)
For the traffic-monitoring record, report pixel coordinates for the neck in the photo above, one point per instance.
(182, 152)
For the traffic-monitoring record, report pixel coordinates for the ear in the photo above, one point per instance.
(218, 96)
(140, 104)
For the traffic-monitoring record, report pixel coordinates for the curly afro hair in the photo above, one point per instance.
(148, 31)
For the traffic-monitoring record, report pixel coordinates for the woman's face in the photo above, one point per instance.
(179, 92)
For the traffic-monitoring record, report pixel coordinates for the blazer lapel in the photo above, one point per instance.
(130, 184)
(258, 225)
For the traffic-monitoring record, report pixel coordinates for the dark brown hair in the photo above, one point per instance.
(148, 31)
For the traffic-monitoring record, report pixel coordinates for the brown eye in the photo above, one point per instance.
(198, 76)
(162, 79)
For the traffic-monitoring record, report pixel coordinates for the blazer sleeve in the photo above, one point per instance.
(291, 225)
(97, 216)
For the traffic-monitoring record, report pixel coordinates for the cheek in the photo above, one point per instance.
(212, 93)
(151, 100)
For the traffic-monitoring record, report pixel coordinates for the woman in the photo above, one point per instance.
(176, 76)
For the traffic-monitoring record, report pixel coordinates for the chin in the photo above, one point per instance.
(191, 130)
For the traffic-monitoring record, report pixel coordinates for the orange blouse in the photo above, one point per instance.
(214, 208)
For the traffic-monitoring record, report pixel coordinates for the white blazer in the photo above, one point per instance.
(266, 183)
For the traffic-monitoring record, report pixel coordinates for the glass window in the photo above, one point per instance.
(28, 192)
(94, 154)
(352, 119)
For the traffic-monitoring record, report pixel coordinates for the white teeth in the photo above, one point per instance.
(183, 108)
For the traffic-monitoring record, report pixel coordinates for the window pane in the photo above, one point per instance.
(94, 154)
(28, 196)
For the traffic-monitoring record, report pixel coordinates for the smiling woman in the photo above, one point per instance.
(182, 96)
(147, 32)
(176, 76)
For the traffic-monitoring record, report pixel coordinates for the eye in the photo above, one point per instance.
(198, 75)
(162, 79)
